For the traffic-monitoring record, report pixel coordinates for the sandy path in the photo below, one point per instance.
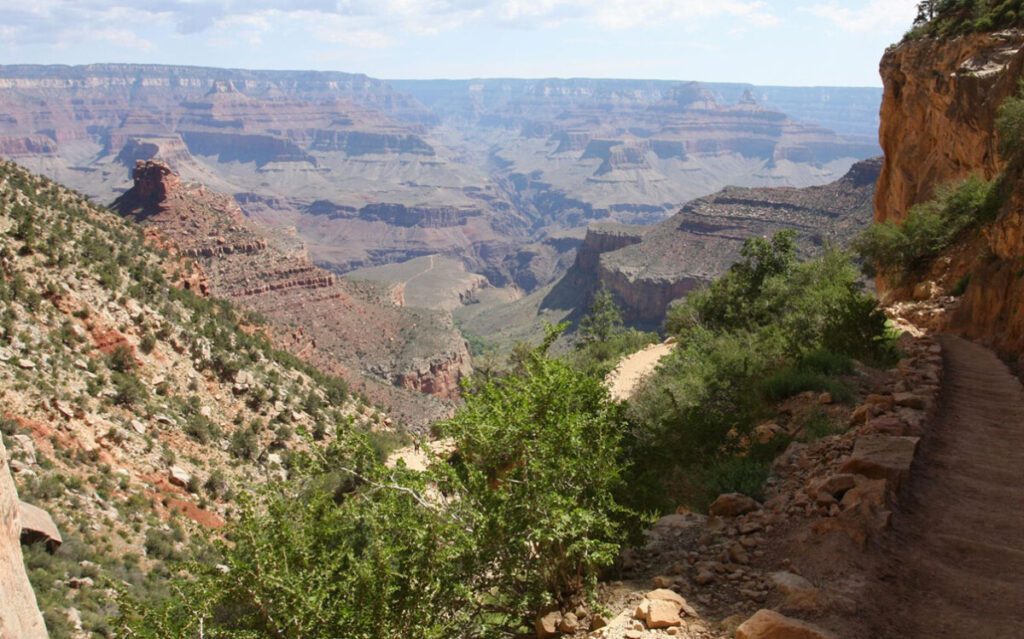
(623, 381)
(954, 561)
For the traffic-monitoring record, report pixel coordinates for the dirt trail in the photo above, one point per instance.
(954, 561)
(633, 368)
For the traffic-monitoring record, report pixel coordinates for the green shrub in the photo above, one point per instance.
(525, 516)
(244, 444)
(770, 328)
(121, 359)
(827, 362)
(743, 475)
(540, 466)
(929, 229)
(793, 381)
(128, 389)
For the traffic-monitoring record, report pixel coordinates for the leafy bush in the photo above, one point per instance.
(771, 327)
(539, 465)
(930, 228)
(128, 389)
(793, 381)
(349, 548)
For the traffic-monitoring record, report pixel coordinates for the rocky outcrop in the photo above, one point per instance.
(648, 269)
(438, 376)
(19, 615)
(153, 181)
(347, 329)
(37, 526)
(938, 126)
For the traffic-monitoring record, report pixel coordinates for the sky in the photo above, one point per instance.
(767, 42)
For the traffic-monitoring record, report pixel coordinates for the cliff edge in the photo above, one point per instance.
(19, 615)
(941, 101)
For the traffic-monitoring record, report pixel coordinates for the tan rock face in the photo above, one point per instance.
(938, 126)
(732, 505)
(19, 615)
(938, 114)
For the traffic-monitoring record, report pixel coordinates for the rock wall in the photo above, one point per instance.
(938, 126)
(19, 616)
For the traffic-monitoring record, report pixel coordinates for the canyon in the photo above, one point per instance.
(489, 172)
(646, 268)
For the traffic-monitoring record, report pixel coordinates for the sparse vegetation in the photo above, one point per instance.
(897, 250)
(77, 283)
(526, 516)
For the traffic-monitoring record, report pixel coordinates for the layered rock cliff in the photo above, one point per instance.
(941, 100)
(647, 268)
(366, 176)
(345, 328)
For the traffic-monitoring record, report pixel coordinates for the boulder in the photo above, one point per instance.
(882, 457)
(37, 527)
(663, 594)
(546, 625)
(910, 400)
(867, 495)
(835, 485)
(733, 505)
(179, 476)
(799, 593)
(663, 614)
(768, 624)
(569, 624)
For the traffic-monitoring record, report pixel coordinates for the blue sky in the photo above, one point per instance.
(777, 42)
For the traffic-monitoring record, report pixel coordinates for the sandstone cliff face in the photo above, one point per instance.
(19, 615)
(938, 113)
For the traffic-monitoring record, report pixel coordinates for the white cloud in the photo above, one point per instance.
(868, 16)
(356, 23)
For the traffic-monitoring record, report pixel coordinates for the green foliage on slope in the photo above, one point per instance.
(524, 516)
(897, 250)
(947, 18)
(770, 328)
(602, 339)
(70, 271)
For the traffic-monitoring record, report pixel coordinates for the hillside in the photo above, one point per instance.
(389, 353)
(704, 238)
(134, 409)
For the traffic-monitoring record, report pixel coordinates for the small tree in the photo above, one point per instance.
(602, 322)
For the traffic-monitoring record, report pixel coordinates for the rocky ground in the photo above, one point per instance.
(800, 563)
